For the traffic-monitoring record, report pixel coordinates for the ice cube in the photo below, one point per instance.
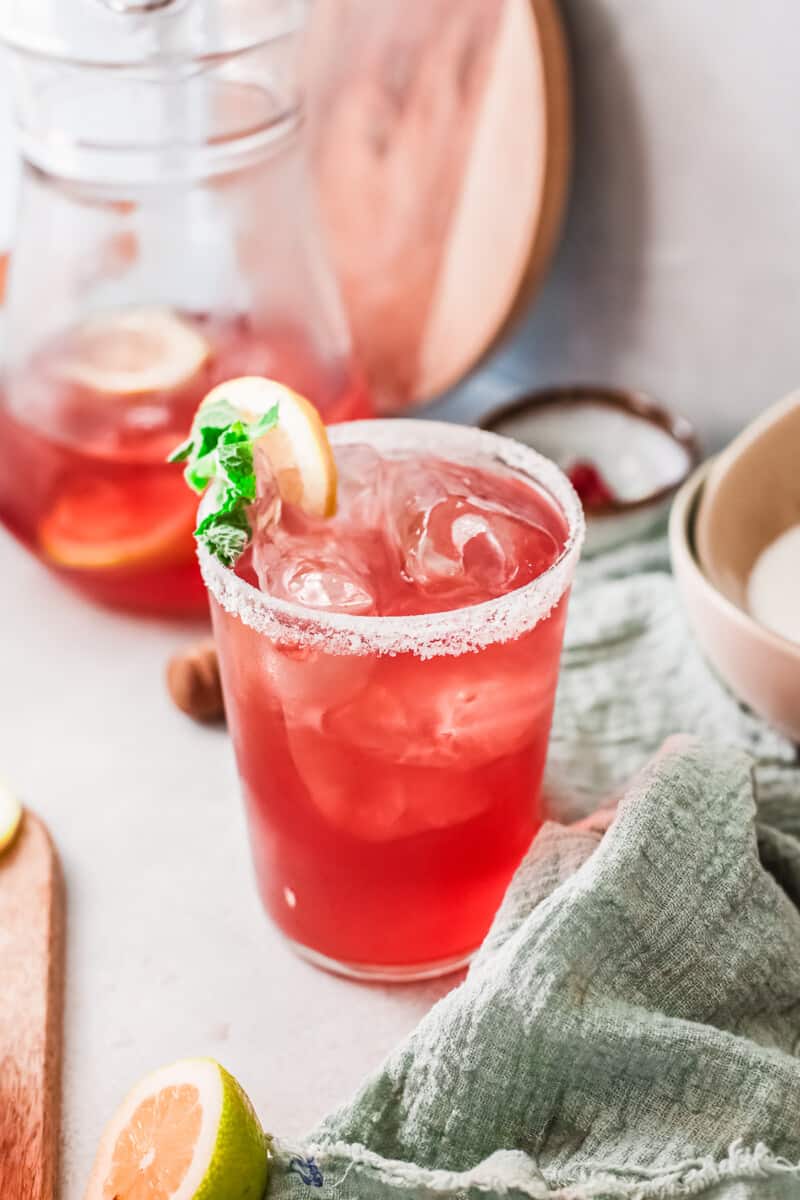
(307, 682)
(373, 803)
(334, 779)
(468, 553)
(311, 560)
(455, 713)
(265, 513)
(459, 546)
(315, 572)
(326, 584)
(360, 490)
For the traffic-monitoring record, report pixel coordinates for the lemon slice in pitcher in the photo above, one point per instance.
(100, 523)
(132, 351)
(186, 1132)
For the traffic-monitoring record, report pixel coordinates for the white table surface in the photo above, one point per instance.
(169, 953)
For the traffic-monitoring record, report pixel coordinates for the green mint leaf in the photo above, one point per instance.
(199, 474)
(212, 421)
(182, 452)
(209, 436)
(234, 518)
(235, 457)
(219, 453)
(217, 415)
(213, 518)
(206, 524)
(265, 423)
(228, 543)
(225, 534)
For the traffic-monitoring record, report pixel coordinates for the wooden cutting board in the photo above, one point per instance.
(440, 140)
(31, 995)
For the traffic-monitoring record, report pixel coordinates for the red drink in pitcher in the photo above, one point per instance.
(389, 676)
(84, 480)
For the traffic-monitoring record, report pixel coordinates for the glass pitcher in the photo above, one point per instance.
(166, 241)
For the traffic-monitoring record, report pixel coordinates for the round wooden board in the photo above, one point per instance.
(440, 138)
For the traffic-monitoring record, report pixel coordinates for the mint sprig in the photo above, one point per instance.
(219, 454)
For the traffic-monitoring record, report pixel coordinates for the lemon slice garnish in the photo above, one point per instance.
(297, 448)
(132, 351)
(10, 816)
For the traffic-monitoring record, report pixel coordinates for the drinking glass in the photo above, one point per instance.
(391, 766)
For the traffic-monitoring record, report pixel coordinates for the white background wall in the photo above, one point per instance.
(8, 161)
(680, 266)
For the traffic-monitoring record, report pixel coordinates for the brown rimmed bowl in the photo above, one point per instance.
(643, 452)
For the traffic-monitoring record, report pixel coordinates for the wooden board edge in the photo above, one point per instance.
(55, 1018)
(558, 163)
(557, 75)
(46, 1184)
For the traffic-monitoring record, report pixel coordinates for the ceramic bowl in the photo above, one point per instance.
(641, 451)
(760, 667)
(751, 497)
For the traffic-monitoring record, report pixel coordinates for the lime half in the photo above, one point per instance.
(186, 1132)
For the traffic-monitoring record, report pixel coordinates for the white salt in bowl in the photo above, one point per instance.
(760, 667)
(642, 451)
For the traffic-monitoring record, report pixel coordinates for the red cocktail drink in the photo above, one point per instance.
(389, 676)
(84, 438)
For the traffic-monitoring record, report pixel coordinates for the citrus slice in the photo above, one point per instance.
(10, 816)
(101, 522)
(297, 448)
(186, 1132)
(133, 350)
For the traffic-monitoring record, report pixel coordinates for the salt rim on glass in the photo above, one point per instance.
(427, 635)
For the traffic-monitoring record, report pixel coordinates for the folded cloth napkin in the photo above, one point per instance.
(631, 1025)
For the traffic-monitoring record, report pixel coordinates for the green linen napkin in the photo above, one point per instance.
(631, 1025)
